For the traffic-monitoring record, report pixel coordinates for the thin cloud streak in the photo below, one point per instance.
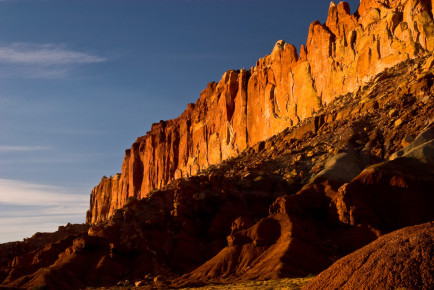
(24, 193)
(8, 149)
(41, 61)
(28, 207)
(45, 54)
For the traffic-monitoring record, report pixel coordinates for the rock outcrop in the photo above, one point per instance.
(399, 260)
(171, 232)
(279, 209)
(306, 230)
(9, 251)
(280, 91)
(275, 172)
(36, 252)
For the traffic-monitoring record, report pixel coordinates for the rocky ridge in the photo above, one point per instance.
(290, 203)
(281, 91)
(282, 208)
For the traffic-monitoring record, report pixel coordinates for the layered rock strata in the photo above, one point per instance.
(280, 91)
(281, 208)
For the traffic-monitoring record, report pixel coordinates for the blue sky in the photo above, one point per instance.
(81, 80)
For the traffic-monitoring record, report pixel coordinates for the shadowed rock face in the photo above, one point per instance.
(34, 254)
(305, 231)
(280, 91)
(170, 233)
(9, 251)
(290, 205)
(272, 211)
(399, 260)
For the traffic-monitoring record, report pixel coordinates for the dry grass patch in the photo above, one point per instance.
(283, 284)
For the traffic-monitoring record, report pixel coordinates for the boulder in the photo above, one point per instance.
(341, 168)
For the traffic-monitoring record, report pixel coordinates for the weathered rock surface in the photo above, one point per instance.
(335, 214)
(399, 260)
(170, 232)
(282, 90)
(265, 213)
(19, 259)
(278, 171)
(306, 230)
(9, 251)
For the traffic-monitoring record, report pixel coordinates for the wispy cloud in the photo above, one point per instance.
(46, 54)
(8, 149)
(29, 60)
(25, 193)
(26, 208)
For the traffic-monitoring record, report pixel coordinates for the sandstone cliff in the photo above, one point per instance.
(280, 91)
(288, 206)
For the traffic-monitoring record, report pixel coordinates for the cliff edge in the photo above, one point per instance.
(280, 91)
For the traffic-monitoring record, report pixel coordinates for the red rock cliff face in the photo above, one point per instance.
(281, 90)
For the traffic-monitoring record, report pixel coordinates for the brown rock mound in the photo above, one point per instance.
(308, 230)
(172, 231)
(400, 260)
(272, 248)
(291, 205)
(9, 251)
(282, 208)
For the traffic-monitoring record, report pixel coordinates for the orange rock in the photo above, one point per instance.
(339, 19)
(283, 89)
